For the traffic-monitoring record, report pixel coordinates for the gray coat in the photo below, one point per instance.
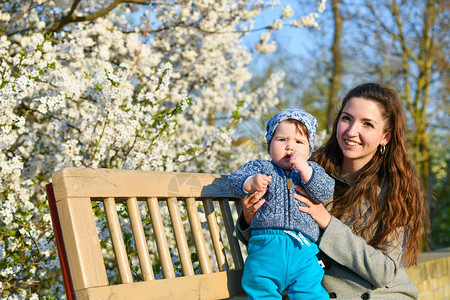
(353, 269)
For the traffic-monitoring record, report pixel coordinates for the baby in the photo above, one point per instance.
(282, 250)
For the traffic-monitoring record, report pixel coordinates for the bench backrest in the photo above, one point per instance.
(133, 203)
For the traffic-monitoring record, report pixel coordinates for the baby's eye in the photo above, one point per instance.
(299, 142)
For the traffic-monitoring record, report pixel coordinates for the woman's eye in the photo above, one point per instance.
(345, 118)
(368, 124)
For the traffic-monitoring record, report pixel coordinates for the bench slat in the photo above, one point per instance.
(87, 182)
(117, 240)
(180, 236)
(160, 238)
(229, 227)
(199, 238)
(215, 235)
(140, 240)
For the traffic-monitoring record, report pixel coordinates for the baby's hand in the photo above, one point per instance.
(257, 183)
(299, 161)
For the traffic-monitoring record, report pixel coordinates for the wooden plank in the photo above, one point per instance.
(140, 240)
(117, 240)
(229, 227)
(199, 238)
(219, 285)
(81, 241)
(160, 238)
(89, 182)
(215, 235)
(67, 277)
(180, 237)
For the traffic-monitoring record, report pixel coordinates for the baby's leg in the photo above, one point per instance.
(305, 274)
(265, 267)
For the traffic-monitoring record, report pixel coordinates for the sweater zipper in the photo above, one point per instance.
(289, 187)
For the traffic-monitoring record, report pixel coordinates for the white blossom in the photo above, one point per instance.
(307, 21)
(287, 12)
(263, 46)
(4, 17)
(321, 6)
(97, 94)
(277, 24)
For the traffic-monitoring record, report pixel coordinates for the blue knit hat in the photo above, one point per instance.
(295, 114)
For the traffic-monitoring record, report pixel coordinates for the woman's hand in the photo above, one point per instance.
(316, 210)
(251, 204)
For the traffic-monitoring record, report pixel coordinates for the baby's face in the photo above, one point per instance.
(287, 139)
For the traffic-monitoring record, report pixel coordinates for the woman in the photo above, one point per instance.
(378, 212)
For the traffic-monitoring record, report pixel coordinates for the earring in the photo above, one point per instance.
(382, 149)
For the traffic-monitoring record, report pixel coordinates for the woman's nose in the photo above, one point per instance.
(352, 129)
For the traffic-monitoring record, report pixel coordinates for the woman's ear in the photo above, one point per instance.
(386, 138)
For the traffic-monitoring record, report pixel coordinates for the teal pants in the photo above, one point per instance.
(277, 262)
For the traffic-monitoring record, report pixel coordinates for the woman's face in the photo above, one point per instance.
(360, 131)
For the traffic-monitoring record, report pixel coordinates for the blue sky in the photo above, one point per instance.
(293, 42)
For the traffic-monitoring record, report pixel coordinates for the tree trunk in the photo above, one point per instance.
(336, 73)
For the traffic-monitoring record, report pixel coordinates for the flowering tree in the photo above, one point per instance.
(85, 84)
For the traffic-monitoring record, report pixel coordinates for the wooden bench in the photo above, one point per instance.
(141, 203)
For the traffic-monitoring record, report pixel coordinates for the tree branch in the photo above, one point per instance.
(69, 18)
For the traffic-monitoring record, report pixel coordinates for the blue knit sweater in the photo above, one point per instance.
(281, 208)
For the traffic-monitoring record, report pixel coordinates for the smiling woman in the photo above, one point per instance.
(378, 213)
(360, 131)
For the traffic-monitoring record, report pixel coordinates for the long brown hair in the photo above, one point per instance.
(404, 206)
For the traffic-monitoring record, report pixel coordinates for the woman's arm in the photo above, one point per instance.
(350, 250)
(242, 230)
